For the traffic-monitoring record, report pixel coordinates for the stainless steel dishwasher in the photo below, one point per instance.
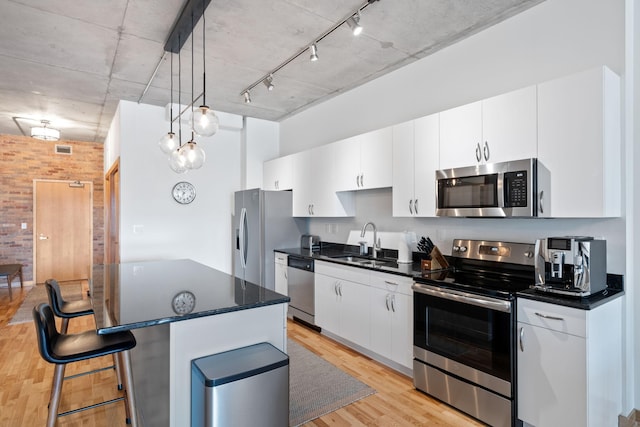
(301, 288)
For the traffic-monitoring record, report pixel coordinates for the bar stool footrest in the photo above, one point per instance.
(82, 374)
(96, 405)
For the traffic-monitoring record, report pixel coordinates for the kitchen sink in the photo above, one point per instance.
(363, 261)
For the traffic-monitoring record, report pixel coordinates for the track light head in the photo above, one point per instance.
(354, 24)
(247, 97)
(268, 82)
(314, 52)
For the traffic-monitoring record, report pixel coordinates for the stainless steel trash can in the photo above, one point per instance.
(244, 387)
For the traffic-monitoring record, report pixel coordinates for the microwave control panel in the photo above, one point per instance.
(515, 189)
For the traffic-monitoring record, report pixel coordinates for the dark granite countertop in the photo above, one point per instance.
(139, 294)
(331, 251)
(585, 303)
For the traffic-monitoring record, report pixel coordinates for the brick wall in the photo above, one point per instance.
(23, 159)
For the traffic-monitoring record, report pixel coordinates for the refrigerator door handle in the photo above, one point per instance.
(243, 236)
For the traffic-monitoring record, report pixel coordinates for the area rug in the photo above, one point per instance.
(317, 387)
(38, 294)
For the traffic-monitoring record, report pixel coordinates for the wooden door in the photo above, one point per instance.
(63, 230)
(112, 214)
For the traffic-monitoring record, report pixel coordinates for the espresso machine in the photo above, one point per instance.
(571, 265)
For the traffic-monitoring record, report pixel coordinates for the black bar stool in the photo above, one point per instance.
(61, 349)
(70, 309)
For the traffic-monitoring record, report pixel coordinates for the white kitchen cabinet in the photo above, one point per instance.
(277, 174)
(341, 306)
(579, 142)
(569, 364)
(281, 281)
(364, 161)
(392, 318)
(313, 185)
(415, 161)
(496, 129)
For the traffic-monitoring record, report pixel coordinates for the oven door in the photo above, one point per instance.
(469, 336)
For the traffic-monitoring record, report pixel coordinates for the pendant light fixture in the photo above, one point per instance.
(193, 155)
(44, 132)
(204, 121)
(169, 143)
(177, 161)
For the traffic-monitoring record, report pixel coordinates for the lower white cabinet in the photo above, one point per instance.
(281, 281)
(569, 364)
(373, 310)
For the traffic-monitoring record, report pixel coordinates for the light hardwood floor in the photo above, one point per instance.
(25, 381)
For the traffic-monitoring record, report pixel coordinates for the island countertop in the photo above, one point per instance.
(134, 295)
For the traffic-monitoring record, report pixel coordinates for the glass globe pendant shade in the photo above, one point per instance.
(168, 143)
(194, 155)
(204, 121)
(177, 161)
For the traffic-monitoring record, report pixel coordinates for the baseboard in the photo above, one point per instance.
(16, 284)
(632, 420)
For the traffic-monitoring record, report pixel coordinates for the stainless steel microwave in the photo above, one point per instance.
(518, 188)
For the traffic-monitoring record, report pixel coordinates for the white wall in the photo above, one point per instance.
(152, 224)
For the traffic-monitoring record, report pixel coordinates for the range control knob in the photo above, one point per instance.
(463, 249)
(456, 249)
(528, 254)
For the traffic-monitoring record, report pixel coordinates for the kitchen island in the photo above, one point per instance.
(178, 311)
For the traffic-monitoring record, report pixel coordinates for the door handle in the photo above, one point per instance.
(478, 152)
(411, 206)
(415, 206)
(541, 201)
(387, 302)
(521, 339)
(546, 316)
(43, 237)
(340, 289)
(393, 303)
(487, 154)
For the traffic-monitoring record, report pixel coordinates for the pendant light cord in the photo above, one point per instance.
(171, 85)
(204, 59)
(192, 100)
(179, 94)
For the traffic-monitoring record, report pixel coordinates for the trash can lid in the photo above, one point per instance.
(234, 365)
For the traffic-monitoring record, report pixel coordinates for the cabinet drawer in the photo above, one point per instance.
(281, 258)
(353, 274)
(391, 282)
(551, 316)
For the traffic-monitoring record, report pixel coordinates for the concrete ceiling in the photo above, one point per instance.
(71, 61)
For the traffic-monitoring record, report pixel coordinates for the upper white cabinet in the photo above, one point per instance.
(277, 174)
(496, 129)
(313, 185)
(569, 364)
(415, 160)
(579, 142)
(364, 161)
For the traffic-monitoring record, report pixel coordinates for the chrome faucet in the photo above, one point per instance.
(376, 242)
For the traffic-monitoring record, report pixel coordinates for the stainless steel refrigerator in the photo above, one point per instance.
(263, 222)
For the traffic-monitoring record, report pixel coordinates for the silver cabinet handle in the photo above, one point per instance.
(313, 208)
(546, 316)
(390, 283)
(478, 152)
(358, 181)
(286, 276)
(415, 206)
(521, 339)
(393, 303)
(411, 206)
(541, 201)
(340, 289)
(486, 151)
(361, 180)
(42, 237)
(335, 287)
(387, 302)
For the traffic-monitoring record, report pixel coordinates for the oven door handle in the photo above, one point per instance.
(463, 297)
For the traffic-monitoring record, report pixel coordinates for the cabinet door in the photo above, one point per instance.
(327, 303)
(281, 282)
(552, 377)
(277, 174)
(354, 312)
(303, 184)
(375, 159)
(403, 172)
(381, 322)
(509, 126)
(579, 142)
(461, 136)
(402, 329)
(427, 146)
(347, 164)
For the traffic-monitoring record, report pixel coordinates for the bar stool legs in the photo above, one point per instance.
(132, 415)
(56, 389)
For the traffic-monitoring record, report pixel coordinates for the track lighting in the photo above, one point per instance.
(268, 82)
(314, 52)
(247, 97)
(354, 24)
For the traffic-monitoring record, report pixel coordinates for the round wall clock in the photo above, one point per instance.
(183, 302)
(184, 192)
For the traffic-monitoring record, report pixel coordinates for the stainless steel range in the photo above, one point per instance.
(465, 328)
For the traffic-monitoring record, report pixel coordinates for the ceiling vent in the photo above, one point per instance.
(64, 149)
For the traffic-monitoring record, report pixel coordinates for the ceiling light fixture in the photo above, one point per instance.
(204, 121)
(354, 24)
(314, 53)
(352, 19)
(268, 82)
(44, 132)
(169, 143)
(177, 161)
